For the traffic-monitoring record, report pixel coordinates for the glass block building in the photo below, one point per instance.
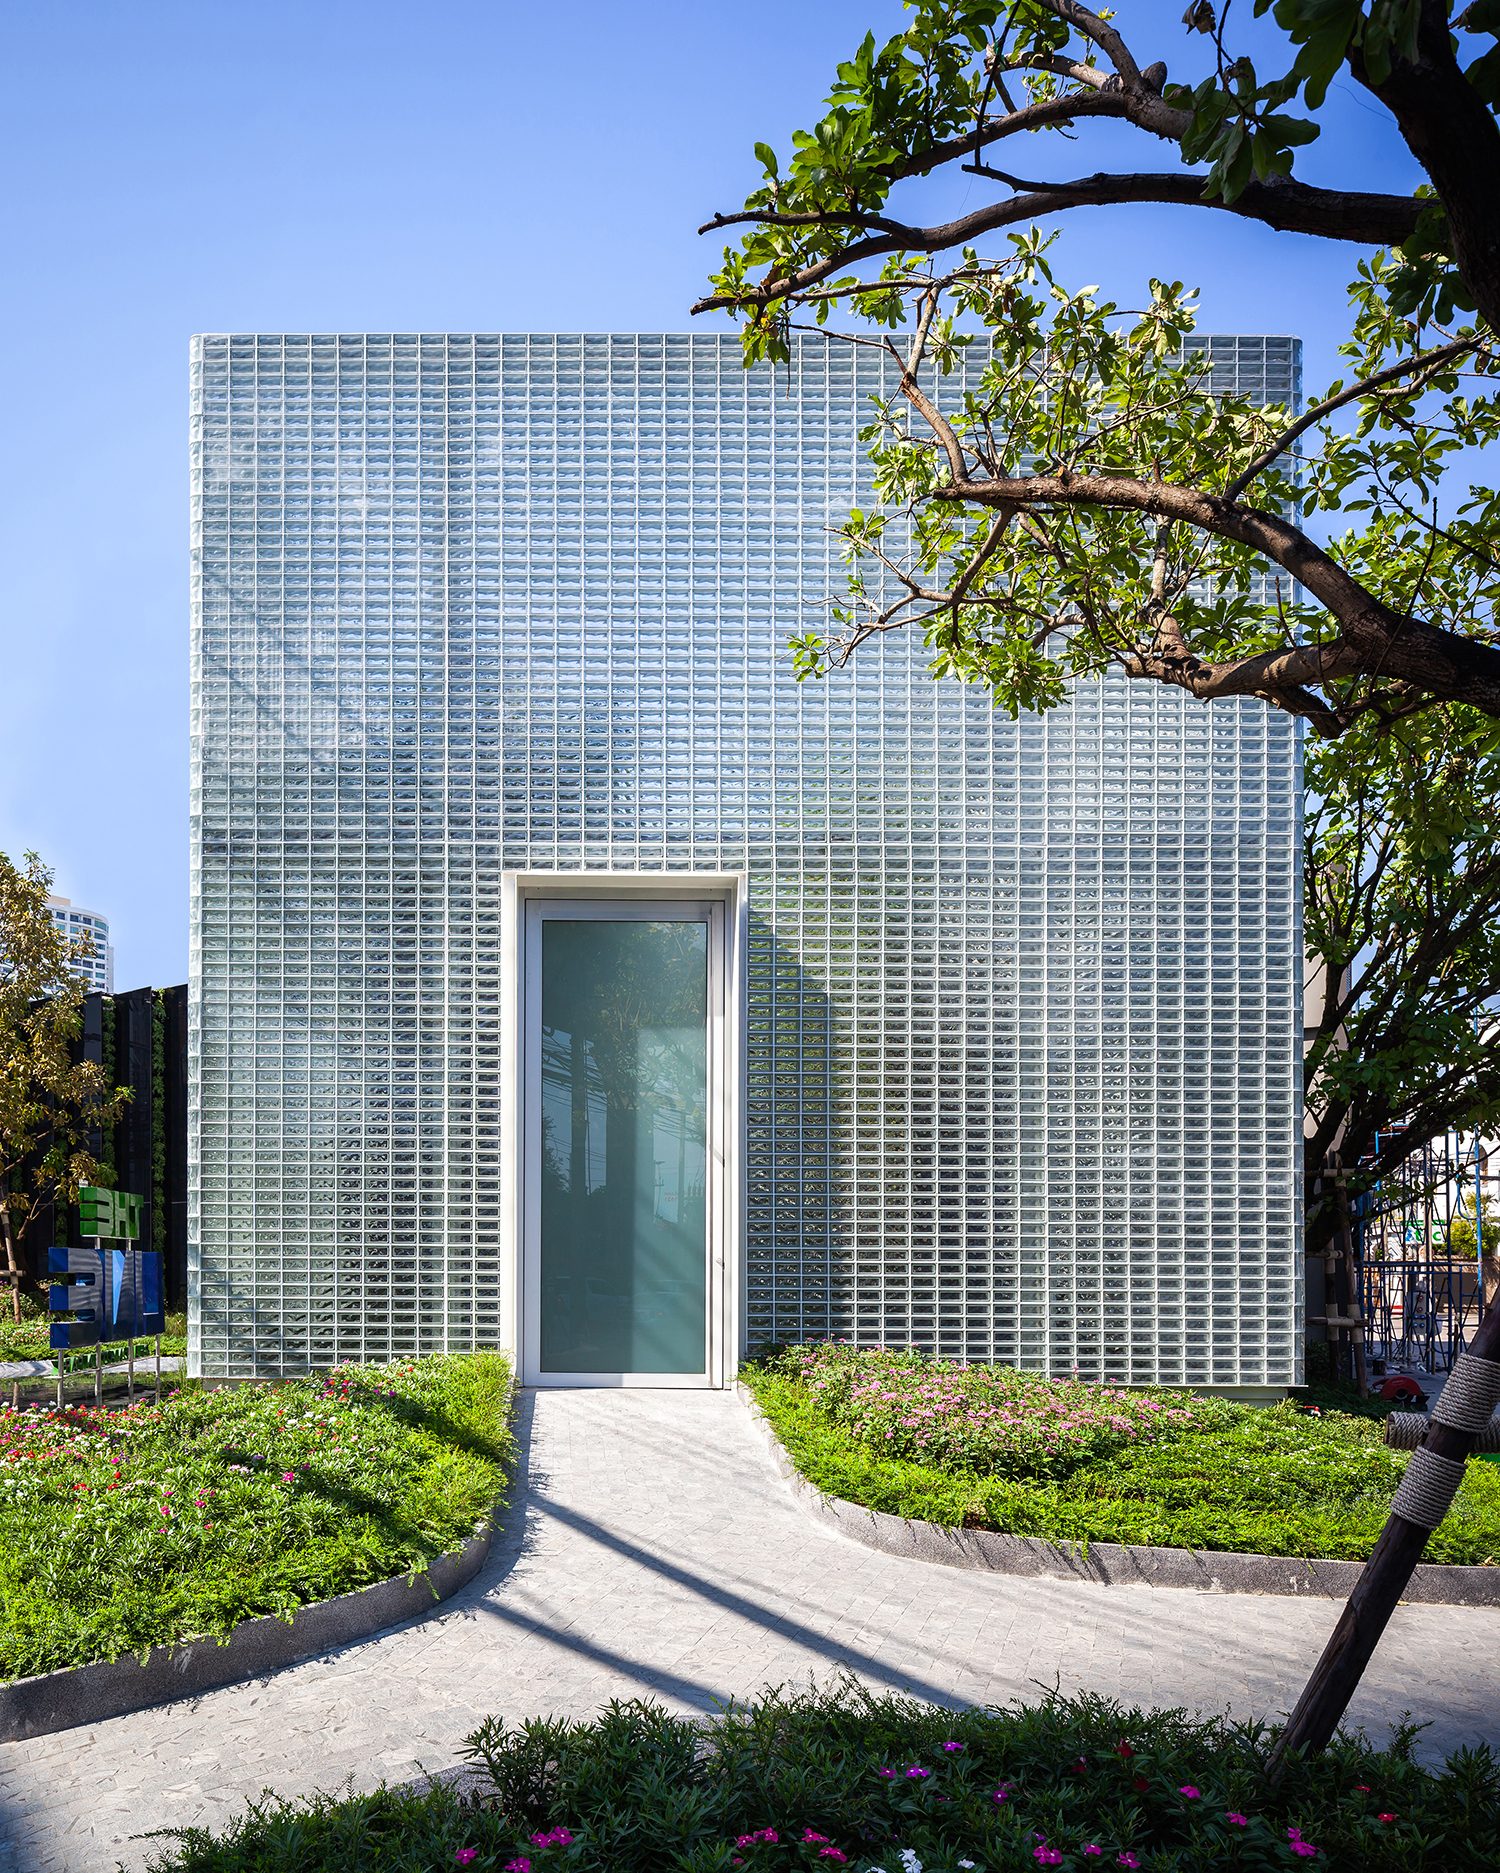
(489, 630)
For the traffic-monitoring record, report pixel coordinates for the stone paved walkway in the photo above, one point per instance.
(659, 1554)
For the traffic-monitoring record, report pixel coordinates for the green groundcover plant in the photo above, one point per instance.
(843, 1779)
(126, 1529)
(31, 1339)
(986, 1447)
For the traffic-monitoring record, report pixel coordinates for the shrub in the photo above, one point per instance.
(842, 1779)
(989, 1420)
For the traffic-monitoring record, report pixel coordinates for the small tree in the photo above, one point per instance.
(48, 1103)
(1461, 1242)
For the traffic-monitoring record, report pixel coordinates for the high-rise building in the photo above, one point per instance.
(567, 976)
(97, 970)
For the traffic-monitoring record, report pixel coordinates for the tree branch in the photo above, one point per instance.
(1445, 354)
(1376, 639)
(1282, 677)
(1292, 207)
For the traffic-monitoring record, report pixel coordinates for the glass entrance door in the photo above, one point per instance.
(621, 1136)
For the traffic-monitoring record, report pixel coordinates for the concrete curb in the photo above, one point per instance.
(59, 1700)
(1107, 1563)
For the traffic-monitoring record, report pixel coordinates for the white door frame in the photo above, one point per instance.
(520, 1322)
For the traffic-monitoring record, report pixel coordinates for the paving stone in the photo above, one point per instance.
(654, 1552)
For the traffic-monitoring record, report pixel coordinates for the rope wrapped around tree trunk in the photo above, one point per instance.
(1405, 1430)
(1427, 1489)
(1431, 1481)
(1470, 1395)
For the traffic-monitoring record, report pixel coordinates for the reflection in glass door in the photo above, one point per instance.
(620, 1147)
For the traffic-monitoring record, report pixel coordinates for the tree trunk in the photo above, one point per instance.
(1355, 1307)
(1335, 1678)
(1451, 132)
(12, 1265)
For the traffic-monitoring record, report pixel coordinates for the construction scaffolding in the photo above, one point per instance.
(1418, 1253)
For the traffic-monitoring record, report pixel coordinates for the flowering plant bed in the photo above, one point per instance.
(128, 1529)
(844, 1780)
(986, 1447)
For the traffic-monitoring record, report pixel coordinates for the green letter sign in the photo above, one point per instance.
(112, 1213)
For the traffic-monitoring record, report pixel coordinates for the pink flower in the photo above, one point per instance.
(518, 1866)
(288, 1476)
(1385, 1817)
(1361, 1788)
(917, 1770)
(1002, 1791)
(1049, 1856)
(1304, 1847)
(1091, 1848)
(1238, 1820)
(950, 1746)
(465, 1854)
(1126, 1859)
(1188, 1790)
(809, 1835)
(885, 1772)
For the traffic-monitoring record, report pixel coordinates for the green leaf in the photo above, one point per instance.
(1290, 132)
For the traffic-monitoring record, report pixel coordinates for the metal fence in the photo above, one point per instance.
(1415, 1239)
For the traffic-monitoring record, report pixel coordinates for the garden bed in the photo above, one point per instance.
(30, 1338)
(842, 1779)
(124, 1530)
(988, 1448)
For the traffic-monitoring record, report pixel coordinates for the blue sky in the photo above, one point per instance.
(325, 167)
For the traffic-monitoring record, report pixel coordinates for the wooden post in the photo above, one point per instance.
(1339, 1249)
(1336, 1676)
(1353, 1276)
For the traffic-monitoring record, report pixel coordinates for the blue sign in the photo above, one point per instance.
(117, 1291)
(135, 1292)
(85, 1296)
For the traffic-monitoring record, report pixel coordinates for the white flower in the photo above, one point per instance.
(910, 1861)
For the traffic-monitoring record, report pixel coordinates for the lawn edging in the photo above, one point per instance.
(60, 1700)
(1107, 1563)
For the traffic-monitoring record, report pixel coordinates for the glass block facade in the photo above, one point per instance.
(1023, 997)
